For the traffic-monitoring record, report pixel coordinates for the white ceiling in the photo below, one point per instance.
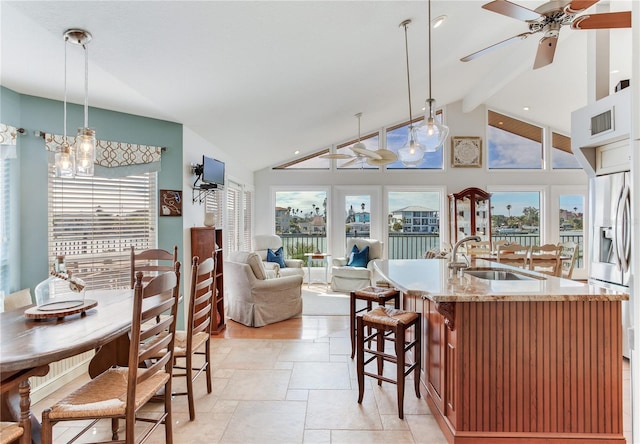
(266, 78)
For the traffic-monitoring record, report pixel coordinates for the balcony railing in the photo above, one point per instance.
(408, 245)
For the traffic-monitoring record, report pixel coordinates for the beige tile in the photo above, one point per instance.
(393, 422)
(339, 409)
(304, 351)
(340, 346)
(264, 422)
(297, 395)
(244, 357)
(317, 437)
(387, 399)
(425, 429)
(320, 375)
(371, 437)
(257, 385)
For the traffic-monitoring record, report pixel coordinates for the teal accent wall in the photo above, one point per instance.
(38, 114)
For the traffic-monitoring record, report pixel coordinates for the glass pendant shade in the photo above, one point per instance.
(65, 161)
(432, 133)
(85, 149)
(411, 152)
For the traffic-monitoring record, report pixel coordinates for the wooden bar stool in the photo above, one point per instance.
(382, 320)
(370, 295)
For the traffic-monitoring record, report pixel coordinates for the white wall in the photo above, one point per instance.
(454, 180)
(194, 147)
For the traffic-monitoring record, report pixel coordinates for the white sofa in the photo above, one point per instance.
(263, 242)
(254, 299)
(345, 278)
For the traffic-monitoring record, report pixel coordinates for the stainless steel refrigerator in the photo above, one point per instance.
(611, 239)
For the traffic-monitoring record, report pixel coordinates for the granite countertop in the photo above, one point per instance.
(431, 278)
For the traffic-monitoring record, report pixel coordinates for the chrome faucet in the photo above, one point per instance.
(454, 264)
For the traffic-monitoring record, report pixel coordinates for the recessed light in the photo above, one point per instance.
(297, 152)
(436, 22)
(526, 108)
(501, 123)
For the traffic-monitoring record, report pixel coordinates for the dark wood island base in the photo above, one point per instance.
(523, 372)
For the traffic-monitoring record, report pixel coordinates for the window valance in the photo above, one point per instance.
(8, 138)
(116, 159)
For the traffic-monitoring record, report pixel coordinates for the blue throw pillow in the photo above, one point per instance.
(277, 257)
(358, 258)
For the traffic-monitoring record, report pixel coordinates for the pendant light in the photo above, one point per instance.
(412, 152)
(65, 161)
(85, 146)
(432, 132)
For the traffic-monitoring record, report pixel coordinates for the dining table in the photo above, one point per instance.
(28, 346)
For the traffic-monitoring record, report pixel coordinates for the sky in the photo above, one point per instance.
(304, 200)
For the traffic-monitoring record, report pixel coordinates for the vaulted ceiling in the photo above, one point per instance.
(263, 79)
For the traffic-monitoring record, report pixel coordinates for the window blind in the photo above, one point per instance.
(5, 228)
(247, 218)
(232, 227)
(94, 221)
(213, 204)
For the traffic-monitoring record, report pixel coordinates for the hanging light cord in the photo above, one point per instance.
(64, 110)
(86, 86)
(406, 50)
(429, 7)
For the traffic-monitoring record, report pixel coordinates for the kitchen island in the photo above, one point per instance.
(537, 359)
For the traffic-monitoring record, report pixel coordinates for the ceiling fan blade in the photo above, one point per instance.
(512, 10)
(366, 152)
(386, 157)
(350, 162)
(336, 156)
(605, 20)
(579, 5)
(477, 54)
(546, 51)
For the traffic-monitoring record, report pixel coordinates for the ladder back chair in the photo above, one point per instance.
(568, 256)
(152, 262)
(196, 340)
(545, 259)
(120, 392)
(513, 254)
(19, 431)
(482, 248)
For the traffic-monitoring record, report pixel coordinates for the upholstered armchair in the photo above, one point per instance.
(286, 267)
(256, 300)
(346, 277)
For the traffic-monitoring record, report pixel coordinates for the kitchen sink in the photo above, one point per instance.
(494, 274)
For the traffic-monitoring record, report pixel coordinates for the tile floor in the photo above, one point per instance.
(292, 383)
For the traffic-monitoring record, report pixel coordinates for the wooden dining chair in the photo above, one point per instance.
(120, 392)
(513, 254)
(545, 259)
(196, 339)
(482, 248)
(19, 431)
(497, 244)
(18, 299)
(152, 262)
(568, 256)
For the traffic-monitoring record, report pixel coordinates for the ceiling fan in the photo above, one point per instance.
(362, 154)
(548, 19)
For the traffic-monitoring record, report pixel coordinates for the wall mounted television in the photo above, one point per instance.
(212, 172)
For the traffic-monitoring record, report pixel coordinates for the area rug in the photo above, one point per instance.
(319, 301)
